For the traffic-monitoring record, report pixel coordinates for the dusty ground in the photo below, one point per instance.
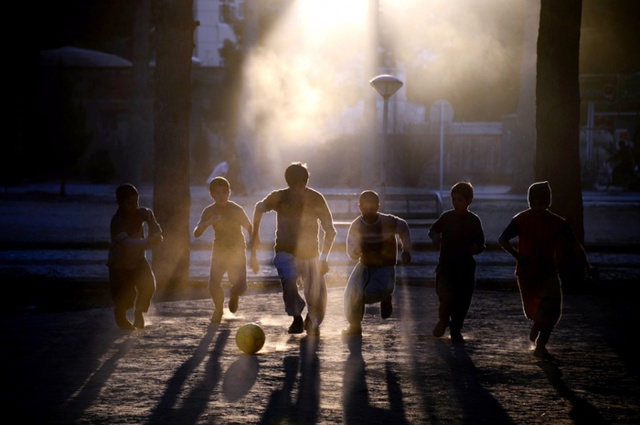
(77, 367)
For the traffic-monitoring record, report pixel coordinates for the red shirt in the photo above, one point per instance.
(538, 234)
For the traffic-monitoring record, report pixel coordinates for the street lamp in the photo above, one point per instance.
(386, 85)
(441, 112)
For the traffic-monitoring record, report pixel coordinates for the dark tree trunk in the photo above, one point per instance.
(558, 117)
(174, 26)
(139, 146)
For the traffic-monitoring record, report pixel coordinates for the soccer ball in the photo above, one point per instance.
(250, 338)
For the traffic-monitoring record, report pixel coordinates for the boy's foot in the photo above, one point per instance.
(138, 320)
(125, 325)
(533, 334)
(216, 318)
(456, 336)
(352, 331)
(297, 326)
(386, 307)
(122, 321)
(439, 329)
(542, 353)
(233, 303)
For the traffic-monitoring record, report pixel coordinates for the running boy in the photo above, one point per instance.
(131, 280)
(228, 254)
(459, 235)
(538, 230)
(372, 240)
(299, 211)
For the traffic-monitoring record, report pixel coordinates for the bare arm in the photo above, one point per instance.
(354, 251)
(249, 228)
(583, 256)
(329, 238)
(201, 227)
(479, 243)
(506, 245)
(124, 240)
(326, 222)
(578, 247)
(155, 237)
(402, 229)
(254, 243)
(434, 232)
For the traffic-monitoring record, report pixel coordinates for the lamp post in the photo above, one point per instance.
(441, 113)
(386, 85)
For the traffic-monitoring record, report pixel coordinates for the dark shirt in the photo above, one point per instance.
(458, 234)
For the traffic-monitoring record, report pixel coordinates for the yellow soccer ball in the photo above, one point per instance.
(250, 338)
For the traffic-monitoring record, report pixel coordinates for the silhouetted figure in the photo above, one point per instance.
(299, 210)
(622, 163)
(228, 254)
(371, 240)
(538, 231)
(131, 279)
(459, 235)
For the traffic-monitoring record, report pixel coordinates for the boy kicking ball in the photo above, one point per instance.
(371, 240)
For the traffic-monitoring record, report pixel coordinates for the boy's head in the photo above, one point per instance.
(220, 189)
(219, 182)
(297, 174)
(464, 189)
(127, 197)
(125, 192)
(539, 194)
(369, 203)
(461, 196)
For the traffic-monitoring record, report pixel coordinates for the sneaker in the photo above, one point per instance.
(233, 303)
(297, 326)
(216, 318)
(439, 329)
(386, 307)
(352, 331)
(138, 320)
(542, 353)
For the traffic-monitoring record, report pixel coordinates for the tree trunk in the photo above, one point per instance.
(139, 147)
(171, 189)
(558, 118)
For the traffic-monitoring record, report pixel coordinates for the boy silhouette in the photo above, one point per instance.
(228, 253)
